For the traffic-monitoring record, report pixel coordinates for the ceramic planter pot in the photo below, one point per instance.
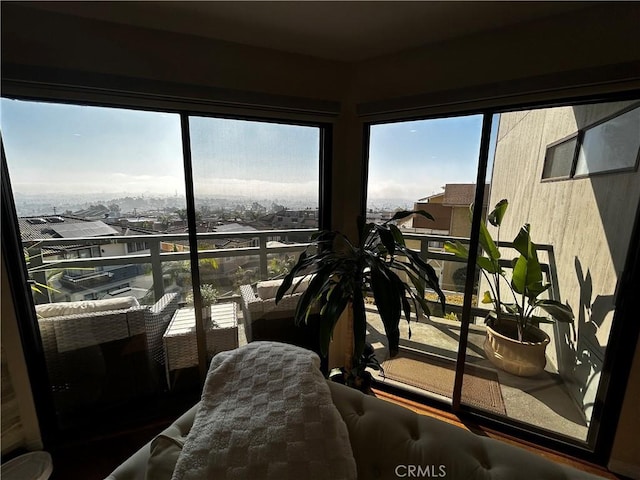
(526, 358)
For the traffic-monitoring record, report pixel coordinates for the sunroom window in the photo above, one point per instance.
(102, 199)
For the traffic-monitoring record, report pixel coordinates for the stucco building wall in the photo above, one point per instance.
(588, 221)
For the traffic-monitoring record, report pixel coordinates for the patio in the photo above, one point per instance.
(542, 401)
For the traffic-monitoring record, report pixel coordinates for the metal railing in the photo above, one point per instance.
(39, 264)
(157, 243)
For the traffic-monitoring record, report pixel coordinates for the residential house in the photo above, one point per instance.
(70, 284)
(286, 219)
(451, 212)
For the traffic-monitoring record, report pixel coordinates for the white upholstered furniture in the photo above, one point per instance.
(387, 441)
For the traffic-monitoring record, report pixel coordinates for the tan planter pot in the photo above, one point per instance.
(524, 359)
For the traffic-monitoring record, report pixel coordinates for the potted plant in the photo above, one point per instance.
(514, 342)
(358, 376)
(209, 296)
(343, 273)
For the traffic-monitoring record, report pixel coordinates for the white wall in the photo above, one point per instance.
(20, 426)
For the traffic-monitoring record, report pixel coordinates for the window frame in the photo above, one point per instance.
(574, 136)
(602, 121)
(624, 332)
(23, 301)
(579, 136)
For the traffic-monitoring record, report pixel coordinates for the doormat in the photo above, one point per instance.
(480, 387)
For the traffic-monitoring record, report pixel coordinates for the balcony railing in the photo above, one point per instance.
(159, 244)
(157, 253)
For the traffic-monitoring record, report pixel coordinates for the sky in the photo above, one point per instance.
(70, 149)
(412, 160)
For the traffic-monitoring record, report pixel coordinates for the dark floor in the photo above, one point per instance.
(96, 459)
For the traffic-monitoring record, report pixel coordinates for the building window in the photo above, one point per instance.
(611, 145)
(558, 161)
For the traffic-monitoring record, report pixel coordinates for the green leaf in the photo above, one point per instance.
(559, 311)
(406, 213)
(519, 275)
(424, 305)
(457, 248)
(527, 273)
(487, 244)
(513, 308)
(386, 237)
(534, 290)
(427, 272)
(497, 214)
(486, 298)
(388, 304)
(330, 317)
(541, 319)
(400, 289)
(522, 242)
(417, 283)
(397, 235)
(304, 261)
(487, 265)
(287, 281)
(316, 290)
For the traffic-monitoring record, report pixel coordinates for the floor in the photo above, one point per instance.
(542, 401)
(95, 460)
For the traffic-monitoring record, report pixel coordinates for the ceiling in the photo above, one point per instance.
(335, 30)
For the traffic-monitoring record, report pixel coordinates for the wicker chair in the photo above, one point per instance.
(101, 357)
(266, 320)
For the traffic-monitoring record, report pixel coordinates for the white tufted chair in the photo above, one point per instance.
(391, 442)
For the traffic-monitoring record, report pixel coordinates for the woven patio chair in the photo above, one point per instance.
(106, 355)
(266, 320)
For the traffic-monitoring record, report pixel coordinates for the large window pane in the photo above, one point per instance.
(581, 229)
(256, 189)
(100, 197)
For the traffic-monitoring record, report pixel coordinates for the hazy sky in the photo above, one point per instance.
(416, 159)
(53, 148)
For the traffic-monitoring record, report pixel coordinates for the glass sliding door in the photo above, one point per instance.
(571, 174)
(427, 165)
(98, 194)
(566, 183)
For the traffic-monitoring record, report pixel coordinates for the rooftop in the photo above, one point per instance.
(61, 226)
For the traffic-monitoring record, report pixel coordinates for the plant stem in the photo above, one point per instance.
(497, 275)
